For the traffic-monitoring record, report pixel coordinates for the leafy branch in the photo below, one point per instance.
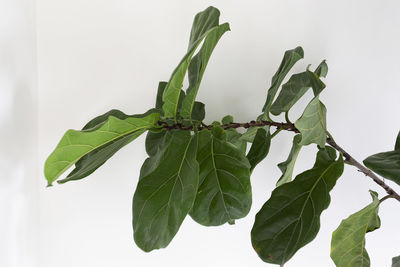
(204, 170)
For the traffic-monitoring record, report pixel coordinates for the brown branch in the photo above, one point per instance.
(290, 127)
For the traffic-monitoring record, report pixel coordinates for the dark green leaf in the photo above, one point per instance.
(199, 111)
(294, 89)
(396, 262)
(290, 219)
(312, 124)
(166, 191)
(322, 69)
(224, 192)
(160, 92)
(290, 58)
(260, 147)
(386, 164)
(287, 166)
(397, 145)
(76, 144)
(348, 240)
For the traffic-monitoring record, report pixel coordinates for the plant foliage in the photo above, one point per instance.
(204, 170)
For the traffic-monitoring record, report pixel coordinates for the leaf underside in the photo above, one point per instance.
(348, 240)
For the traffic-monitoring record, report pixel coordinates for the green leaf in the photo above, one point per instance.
(76, 144)
(287, 166)
(227, 119)
(95, 159)
(174, 86)
(322, 69)
(160, 92)
(250, 134)
(224, 192)
(203, 21)
(290, 219)
(198, 112)
(289, 59)
(198, 66)
(294, 89)
(386, 164)
(260, 147)
(235, 138)
(166, 191)
(348, 240)
(396, 261)
(397, 145)
(312, 124)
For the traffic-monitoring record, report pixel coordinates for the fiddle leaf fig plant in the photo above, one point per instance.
(203, 171)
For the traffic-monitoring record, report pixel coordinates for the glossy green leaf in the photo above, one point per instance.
(396, 261)
(290, 219)
(173, 89)
(294, 89)
(287, 166)
(386, 164)
(76, 144)
(348, 240)
(322, 69)
(203, 21)
(312, 124)
(224, 192)
(166, 191)
(260, 147)
(289, 59)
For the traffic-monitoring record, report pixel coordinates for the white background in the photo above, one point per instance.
(84, 57)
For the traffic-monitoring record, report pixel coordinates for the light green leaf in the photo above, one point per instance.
(166, 191)
(96, 158)
(260, 147)
(294, 89)
(76, 144)
(396, 261)
(386, 164)
(174, 86)
(322, 69)
(348, 240)
(312, 124)
(224, 192)
(289, 59)
(290, 219)
(287, 166)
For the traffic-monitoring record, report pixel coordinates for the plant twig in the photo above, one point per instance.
(290, 127)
